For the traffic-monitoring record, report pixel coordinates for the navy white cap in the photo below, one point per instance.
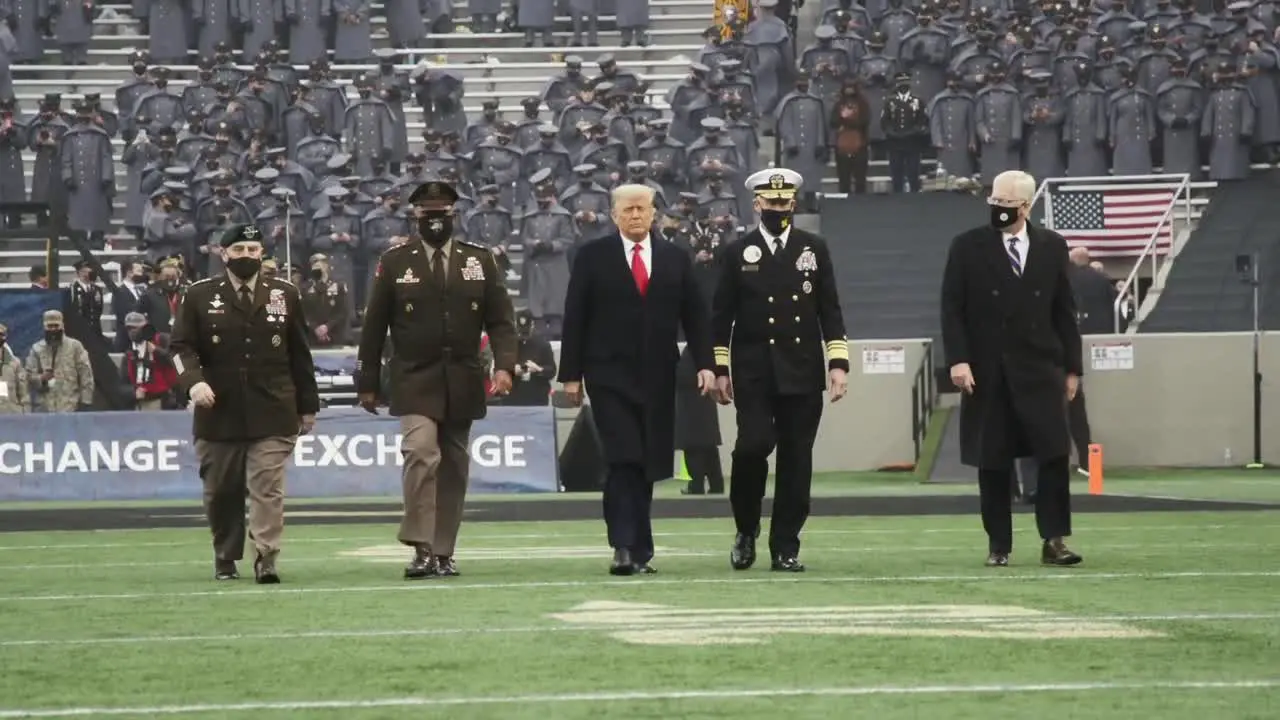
(775, 183)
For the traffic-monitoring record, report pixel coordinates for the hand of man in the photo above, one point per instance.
(306, 423)
(202, 395)
(46, 376)
(532, 366)
(1073, 386)
(837, 384)
(322, 333)
(724, 390)
(368, 401)
(962, 377)
(573, 391)
(706, 382)
(139, 394)
(502, 382)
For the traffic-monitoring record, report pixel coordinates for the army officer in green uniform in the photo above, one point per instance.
(240, 348)
(436, 294)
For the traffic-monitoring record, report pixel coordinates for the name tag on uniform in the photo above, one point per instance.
(472, 269)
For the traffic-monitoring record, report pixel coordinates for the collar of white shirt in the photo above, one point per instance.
(628, 243)
(1022, 236)
(769, 238)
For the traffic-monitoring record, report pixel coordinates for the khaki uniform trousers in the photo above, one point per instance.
(148, 405)
(231, 471)
(437, 462)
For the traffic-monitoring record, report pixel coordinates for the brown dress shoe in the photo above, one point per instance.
(996, 559)
(1055, 552)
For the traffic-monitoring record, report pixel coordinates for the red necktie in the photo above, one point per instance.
(638, 270)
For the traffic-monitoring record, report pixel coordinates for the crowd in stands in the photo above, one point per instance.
(267, 131)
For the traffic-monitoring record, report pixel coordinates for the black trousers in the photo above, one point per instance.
(628, 502)
(904, 167)
(1053, 503)
(788, 423)
(705, 472)
(851, 173)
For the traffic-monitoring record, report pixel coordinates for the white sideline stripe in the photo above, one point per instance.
(599, 697)
(530, 554)
(445, 585)
(555, 536)
(664, 624)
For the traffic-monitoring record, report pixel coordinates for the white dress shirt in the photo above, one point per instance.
(646, 253)
(769, 238)
(1023, 245)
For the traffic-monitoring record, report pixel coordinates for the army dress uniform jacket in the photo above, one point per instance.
(436, 368)
(255, 359)
(774, 315)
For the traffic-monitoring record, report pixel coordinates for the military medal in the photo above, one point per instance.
(475, 306)
(751, 254)
(472, 270)
(275, 341)
(215, 339)
(807, 287)
(807, 261)
(408, 307)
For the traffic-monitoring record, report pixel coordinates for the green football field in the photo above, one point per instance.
(1173, 615)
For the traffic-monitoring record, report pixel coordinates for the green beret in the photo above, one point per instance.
(240, 233)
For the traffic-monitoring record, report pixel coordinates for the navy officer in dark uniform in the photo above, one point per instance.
(774, 312)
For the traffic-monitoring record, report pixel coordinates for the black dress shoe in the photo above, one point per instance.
(264, 571)
(1055, 552)
(622, 564)
(743, 555)
(421, 566)
(784, 563)
(996, 559)
(225, 571)
(644, 569)
(446, 567)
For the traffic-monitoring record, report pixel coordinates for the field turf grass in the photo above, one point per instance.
(1172, 616)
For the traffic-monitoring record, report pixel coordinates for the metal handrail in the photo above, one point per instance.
(1183, 187)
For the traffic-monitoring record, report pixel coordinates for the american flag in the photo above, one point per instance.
(1113, 222)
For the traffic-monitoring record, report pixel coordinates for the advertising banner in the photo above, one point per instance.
(150, 456)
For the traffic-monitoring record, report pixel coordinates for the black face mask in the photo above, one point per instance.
(436, 227)
(1003, 217)
(903, 88)
(775, 221)
(317, 274)
(53, 336)
(244, 267)
(138, 279)
(135, 335)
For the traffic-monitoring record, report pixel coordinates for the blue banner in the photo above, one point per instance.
(150, 456)
(22, 311)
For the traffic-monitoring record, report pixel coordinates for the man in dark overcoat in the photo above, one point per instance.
(1011, 340)
(629, 296)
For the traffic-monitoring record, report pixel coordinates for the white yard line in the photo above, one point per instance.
(639, 696)
(535, 553)
(995, 576)
(666, 624)
(972, 528)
